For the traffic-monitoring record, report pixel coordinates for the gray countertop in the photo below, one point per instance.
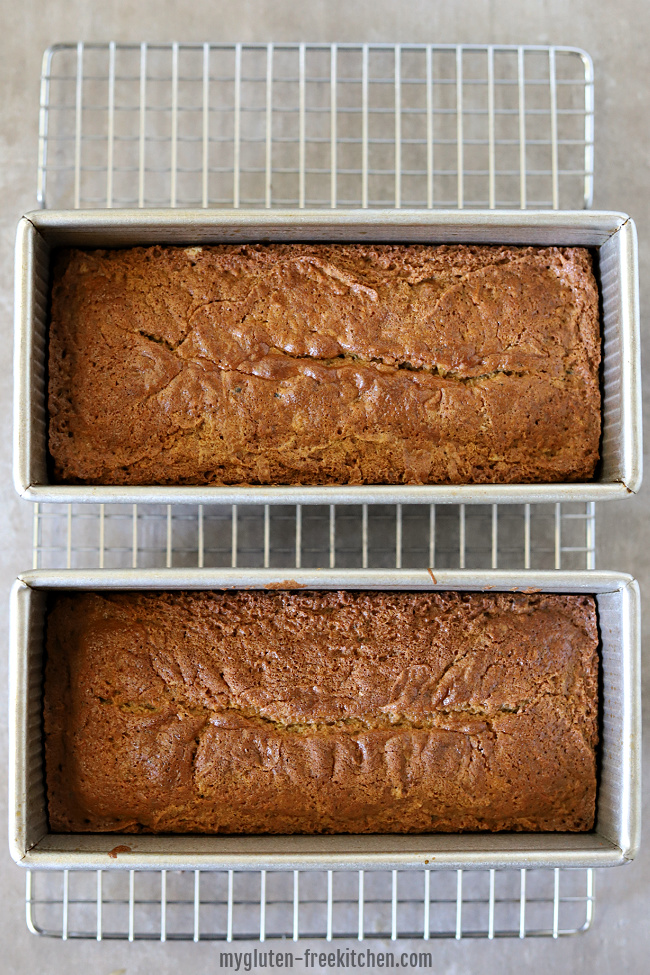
(617, 36)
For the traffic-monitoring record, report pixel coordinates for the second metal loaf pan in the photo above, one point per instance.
(613, 841)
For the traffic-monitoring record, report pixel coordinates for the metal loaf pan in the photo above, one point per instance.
(612, 234)
(614, 840)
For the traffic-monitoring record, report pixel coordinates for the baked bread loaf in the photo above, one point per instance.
(324, 364)
(320, 712)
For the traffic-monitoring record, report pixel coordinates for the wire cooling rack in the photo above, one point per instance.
(316, 125)
(332, 126)
(228, 905)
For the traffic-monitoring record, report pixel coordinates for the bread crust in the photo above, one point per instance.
(324, 364)
(321, 712)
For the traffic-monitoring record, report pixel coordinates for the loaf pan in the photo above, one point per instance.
(614, 840)
(612, 234)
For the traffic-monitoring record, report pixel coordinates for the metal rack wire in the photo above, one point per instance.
(314, 125)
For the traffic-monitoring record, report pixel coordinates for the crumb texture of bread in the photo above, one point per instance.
(307, 364)
(321, 712)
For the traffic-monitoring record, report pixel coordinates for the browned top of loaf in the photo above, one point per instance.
(319, 363)
(321, 712)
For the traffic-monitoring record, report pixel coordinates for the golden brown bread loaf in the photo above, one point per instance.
(324, 364)
(349, 712)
